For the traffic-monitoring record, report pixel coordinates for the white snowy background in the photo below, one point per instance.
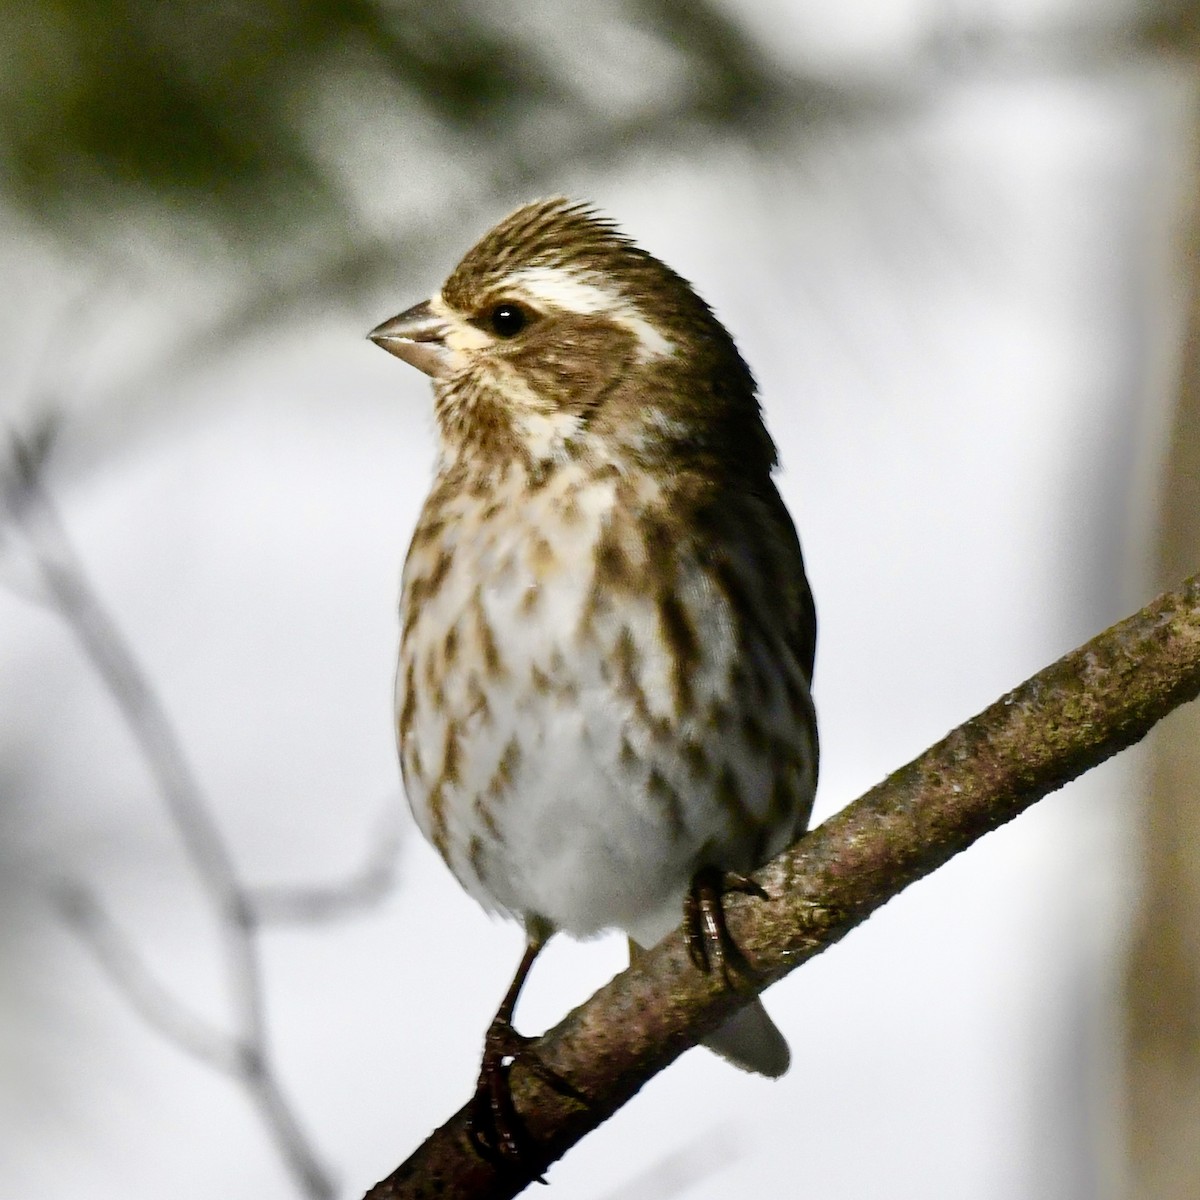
(957, 318)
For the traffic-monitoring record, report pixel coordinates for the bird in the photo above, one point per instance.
(604, 709)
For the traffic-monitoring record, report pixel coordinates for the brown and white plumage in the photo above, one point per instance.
(608, 636)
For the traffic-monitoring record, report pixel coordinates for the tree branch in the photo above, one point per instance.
(1093, 703)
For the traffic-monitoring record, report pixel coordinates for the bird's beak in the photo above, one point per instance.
(418, 336)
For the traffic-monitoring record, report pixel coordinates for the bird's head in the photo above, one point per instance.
(556, 337)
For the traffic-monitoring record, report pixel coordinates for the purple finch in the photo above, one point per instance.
(603, 696)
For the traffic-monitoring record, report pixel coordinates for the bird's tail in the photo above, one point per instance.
(749, 1039)
(752, 1041)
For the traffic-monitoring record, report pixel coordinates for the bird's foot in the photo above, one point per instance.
(494, 1125)
(709, 943)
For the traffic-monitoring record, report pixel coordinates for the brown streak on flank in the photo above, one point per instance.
(683, 646)
(451, 754)
(410, 763)
(613, 569)
(484, 812)
(612, 574)
(729, 797)
(502, 777)
(428, 531)
(585, 630)
(795, 693)
(529, 601)
(450, 647)
(628, 756)
(760, 683)
(739, 678)
(784, 750)
(667, 798)
(628, 662)
(757, 740)
(540, 680)
(447, 487)
(720, 716)
(477, 701)
(441, 569)
(762, 840)
(696, 759)
(511, 759)
(783, 798)
(492, 661)
(599, 602)
(662, 550)
(406, 627)
(742, 606)
(409, 708)
(414, 599)
(475, 857)
(438, 833)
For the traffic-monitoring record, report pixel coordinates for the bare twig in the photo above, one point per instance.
(244, 1053)
(146, 717)
(1070, 717)
(148, 998)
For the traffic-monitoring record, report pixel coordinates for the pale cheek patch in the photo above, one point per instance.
(461, 338)
(586, 294)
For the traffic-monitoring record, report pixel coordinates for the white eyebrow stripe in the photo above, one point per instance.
(585, 293)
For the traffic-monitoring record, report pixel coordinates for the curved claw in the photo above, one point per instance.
(709, 944)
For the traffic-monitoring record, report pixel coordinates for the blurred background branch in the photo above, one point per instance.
(244, 1053)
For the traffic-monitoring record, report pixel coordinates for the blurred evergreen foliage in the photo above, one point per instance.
(205, 109)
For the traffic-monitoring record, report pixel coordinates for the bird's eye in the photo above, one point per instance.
(508, 319)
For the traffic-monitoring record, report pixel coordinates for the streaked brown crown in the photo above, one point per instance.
(545, 233)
